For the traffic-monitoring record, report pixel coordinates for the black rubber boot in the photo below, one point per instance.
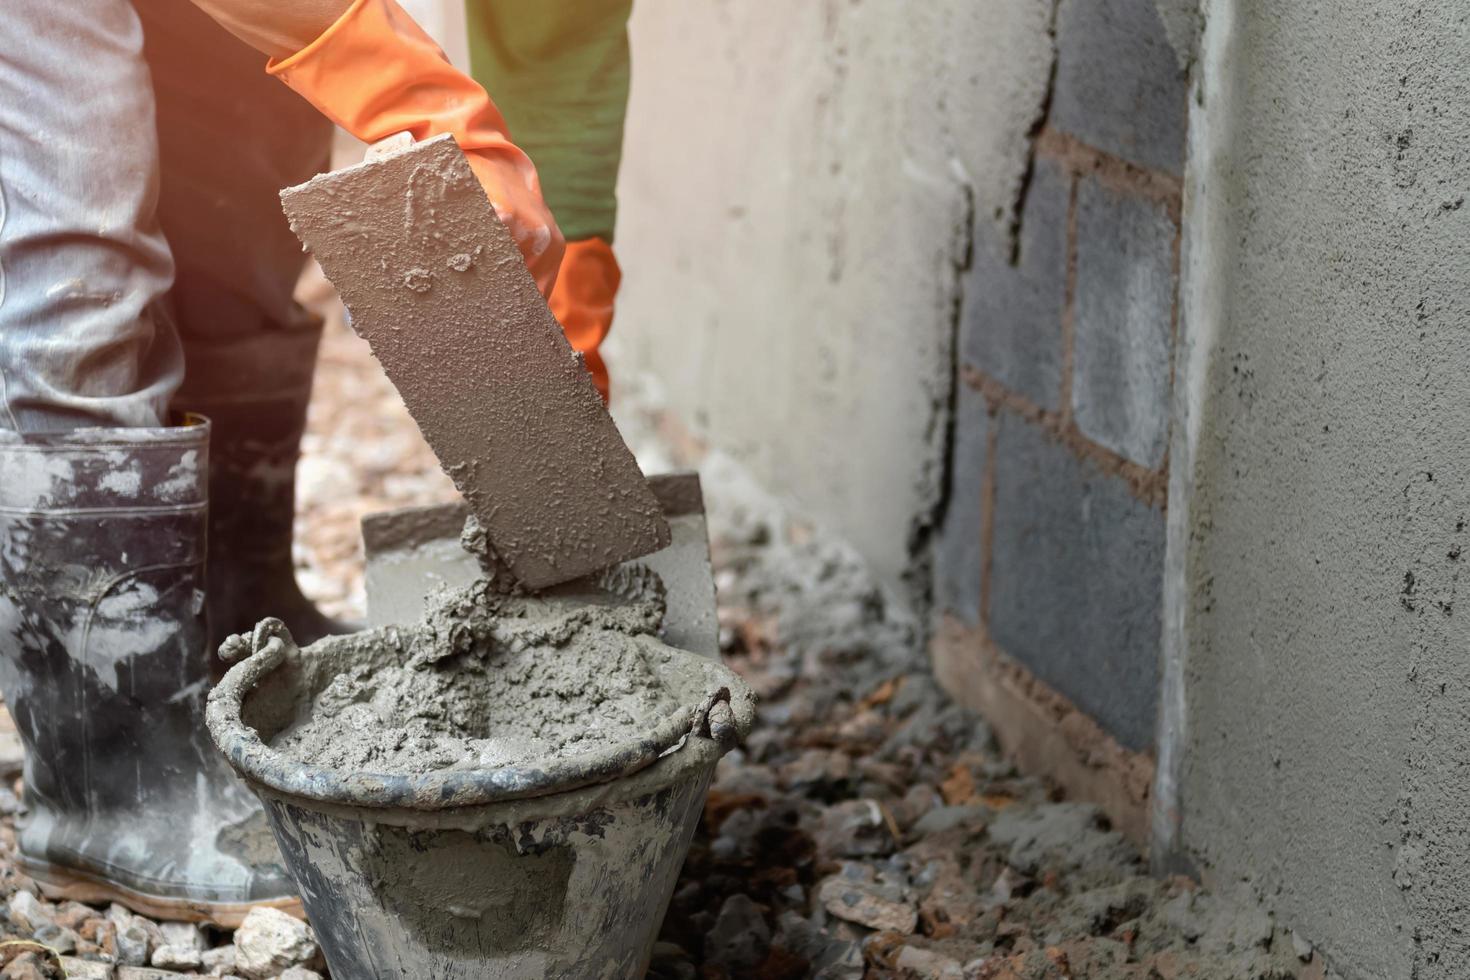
(105, 668)
(255, 393)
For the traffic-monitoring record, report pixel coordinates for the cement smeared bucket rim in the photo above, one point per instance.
(256, 761)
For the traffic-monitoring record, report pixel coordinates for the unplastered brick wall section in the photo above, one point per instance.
(1049, 558)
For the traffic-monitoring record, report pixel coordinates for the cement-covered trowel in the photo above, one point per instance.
(435, 284)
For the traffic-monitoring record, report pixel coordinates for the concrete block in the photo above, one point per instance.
(958, 559)
(436, 285)
(79, 969)
(1076, 580)
(1012, 314)
(1119, 85)
(1122, 322)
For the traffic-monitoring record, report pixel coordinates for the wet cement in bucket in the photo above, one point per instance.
(487, 680)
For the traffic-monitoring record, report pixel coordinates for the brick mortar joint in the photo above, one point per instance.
(1082, 159)
(1151, 486)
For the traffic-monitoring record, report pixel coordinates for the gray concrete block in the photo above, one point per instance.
(436, 285)
(1122, 322)
(958, 559)
(1076, 580)
(1012, 314)
(1119, 85)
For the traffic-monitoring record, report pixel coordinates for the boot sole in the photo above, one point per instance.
(69, 884)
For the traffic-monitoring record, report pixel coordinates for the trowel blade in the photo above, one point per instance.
(438, 288)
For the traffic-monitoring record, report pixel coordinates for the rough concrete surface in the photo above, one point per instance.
(823, 162)
(436, 285)
(1318, 741)
(1123, 321)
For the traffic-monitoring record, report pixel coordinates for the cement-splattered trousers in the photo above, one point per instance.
(141, 151)
(142, 148)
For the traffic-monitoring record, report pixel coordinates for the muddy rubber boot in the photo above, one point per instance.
(255, 393)
(105, 668)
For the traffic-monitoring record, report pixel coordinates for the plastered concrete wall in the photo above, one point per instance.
(1317, 679)
(800, 188)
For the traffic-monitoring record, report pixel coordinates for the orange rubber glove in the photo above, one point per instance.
(583, 301)
(375, 73)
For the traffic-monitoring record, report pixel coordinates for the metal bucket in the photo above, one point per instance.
(559, 871)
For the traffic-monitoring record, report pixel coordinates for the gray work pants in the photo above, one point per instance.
(141, 151)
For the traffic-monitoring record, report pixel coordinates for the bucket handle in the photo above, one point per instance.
(271, 642)
(713, 719)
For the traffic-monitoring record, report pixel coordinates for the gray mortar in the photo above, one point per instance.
(487, 681)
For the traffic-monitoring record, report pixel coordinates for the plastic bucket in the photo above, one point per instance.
(557, 871)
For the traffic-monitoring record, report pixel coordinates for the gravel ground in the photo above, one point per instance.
(868, 828)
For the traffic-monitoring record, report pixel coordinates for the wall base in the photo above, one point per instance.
(1042, 731)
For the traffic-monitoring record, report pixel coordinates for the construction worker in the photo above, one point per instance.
(154, 376)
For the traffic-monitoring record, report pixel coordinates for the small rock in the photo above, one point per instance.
(124, 918)
(28, 966)
(924, 964)
(184, 934)
(144, 973)
(853, 828)
(828, 957)
(27, 911)
(218, 961)
(176, 958)
(270, 941)
(79, 969)
(856, 895)
(1301, 947)
(816, 767)
(299, 973)
(740, 938)
(72, 914)
(130, 945)
(62, 940)
(945, 818)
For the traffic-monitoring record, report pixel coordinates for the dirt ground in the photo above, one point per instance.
(868, 828)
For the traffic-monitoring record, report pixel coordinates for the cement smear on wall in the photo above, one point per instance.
(480, 684)
(1317, 697)
(799, 189)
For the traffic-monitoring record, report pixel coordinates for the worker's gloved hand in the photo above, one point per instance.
(583, 302)
(375, 73)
